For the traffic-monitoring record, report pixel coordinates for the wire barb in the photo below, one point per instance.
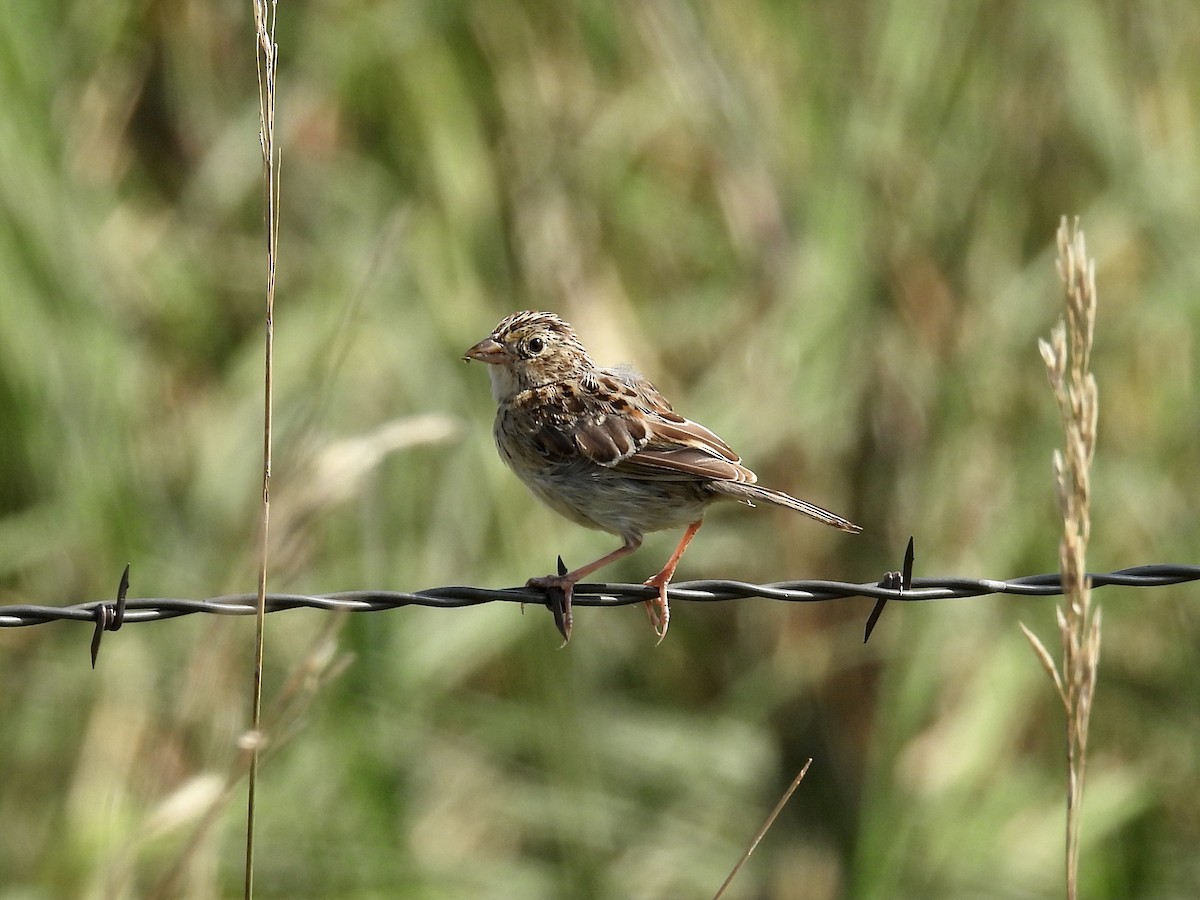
(896, 581)
(108, 616)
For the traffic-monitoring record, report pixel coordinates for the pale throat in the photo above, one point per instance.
(504, 383)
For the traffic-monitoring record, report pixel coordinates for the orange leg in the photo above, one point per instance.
(657, 609)
(560, 588)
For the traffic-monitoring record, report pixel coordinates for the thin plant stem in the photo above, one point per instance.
(787, 795)
(266, 54)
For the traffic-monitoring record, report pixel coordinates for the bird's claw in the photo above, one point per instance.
(559, 592)
(658, 609)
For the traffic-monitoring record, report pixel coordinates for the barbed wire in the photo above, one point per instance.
(108, 615)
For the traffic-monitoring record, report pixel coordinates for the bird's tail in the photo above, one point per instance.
(748, 493)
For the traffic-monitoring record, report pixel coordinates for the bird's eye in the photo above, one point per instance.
(536, 345)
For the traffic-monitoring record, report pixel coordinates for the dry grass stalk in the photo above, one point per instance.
(1067, 357)
(766, 826)
(266, 55)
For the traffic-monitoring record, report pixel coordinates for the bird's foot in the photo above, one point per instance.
(658, 609)
(559, 590)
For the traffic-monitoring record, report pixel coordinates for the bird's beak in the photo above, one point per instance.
(489, 350)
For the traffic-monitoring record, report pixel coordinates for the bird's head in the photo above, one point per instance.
(529, 349)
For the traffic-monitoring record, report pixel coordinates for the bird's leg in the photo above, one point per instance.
(560, 588)
(660, 618)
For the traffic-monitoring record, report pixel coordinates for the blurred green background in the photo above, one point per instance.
(824, 229)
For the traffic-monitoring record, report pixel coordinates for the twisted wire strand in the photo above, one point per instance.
(595, 594)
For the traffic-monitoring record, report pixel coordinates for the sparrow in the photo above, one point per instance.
(603, 448)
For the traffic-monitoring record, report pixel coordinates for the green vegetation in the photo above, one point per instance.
(825, 230)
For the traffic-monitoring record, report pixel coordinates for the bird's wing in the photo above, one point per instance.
(626, 424)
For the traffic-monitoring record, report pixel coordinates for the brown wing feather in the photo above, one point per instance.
(610, 439)
(642, 436)
(685, 464)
